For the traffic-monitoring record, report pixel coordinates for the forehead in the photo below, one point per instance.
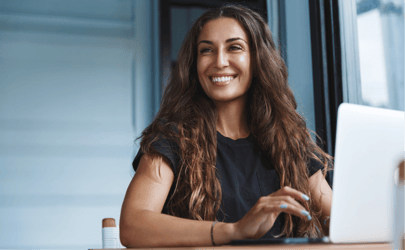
(221, 29)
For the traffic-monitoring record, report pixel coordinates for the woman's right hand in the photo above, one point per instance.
(261, 217)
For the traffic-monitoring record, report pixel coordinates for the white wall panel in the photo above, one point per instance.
(71, 106)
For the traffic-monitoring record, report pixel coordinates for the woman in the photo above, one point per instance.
(227, 145)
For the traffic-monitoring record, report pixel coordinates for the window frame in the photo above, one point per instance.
(327, 71)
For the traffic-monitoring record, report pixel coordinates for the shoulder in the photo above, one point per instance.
(162, 145)
(314, 165)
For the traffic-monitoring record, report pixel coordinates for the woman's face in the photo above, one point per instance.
(223, 62)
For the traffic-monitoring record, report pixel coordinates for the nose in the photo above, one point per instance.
(221, 59)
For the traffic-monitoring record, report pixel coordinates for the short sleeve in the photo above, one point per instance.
(167, 148)
(314, 166)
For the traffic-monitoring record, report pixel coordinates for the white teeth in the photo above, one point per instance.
(222, 79)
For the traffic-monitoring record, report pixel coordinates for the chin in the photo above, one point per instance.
(225, 98)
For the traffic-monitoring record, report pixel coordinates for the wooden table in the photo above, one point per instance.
(277, 246)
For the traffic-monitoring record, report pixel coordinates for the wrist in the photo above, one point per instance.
(223, 233)
(234, 232)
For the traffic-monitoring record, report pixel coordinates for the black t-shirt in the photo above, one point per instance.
(245, 175)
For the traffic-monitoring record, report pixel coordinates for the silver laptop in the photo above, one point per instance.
(369, 146)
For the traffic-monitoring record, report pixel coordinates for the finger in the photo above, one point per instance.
(287, 208)
(291, 192)
(286, 204)
(286, 200)
(296, 207)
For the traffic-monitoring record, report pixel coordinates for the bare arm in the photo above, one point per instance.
(143, 225)
(322, 194)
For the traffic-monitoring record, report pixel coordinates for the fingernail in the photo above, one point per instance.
(283, 206)
(305, 197)
(309, 217)
(304, 212)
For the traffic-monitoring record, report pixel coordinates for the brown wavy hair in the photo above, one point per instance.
(188, 117)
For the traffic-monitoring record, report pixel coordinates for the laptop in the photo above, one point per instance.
(369, 147)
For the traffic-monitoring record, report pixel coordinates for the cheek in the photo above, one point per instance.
(201, 66)
(200, 73)
(244, 64)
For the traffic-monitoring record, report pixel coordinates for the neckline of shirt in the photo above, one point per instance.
(241, 141)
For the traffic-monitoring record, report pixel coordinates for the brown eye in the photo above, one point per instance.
(235, 47)
(204, 50)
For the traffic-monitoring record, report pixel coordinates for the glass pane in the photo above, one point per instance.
(380, 25)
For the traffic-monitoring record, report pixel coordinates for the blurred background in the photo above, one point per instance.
(81, 79)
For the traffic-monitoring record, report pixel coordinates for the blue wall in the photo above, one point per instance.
(70, 83)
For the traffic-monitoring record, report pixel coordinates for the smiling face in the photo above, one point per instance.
(223, 62)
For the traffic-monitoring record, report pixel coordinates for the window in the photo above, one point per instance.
(373, 52)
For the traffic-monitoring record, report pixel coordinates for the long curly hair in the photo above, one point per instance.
(188, 117)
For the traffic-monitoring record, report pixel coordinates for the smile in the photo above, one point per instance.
(222, 79)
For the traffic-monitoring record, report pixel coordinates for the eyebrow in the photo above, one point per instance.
(227, 41)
